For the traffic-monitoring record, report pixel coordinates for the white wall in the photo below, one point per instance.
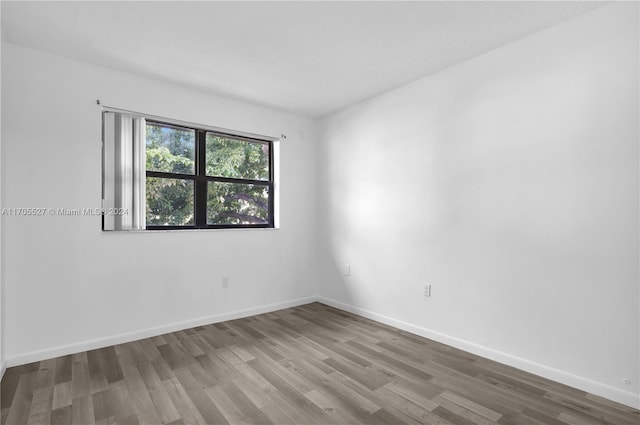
(69, 285)
(2, 356)
(510, 183)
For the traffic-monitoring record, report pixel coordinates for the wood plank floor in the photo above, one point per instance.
(306, 365)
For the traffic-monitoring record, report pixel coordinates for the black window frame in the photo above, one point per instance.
(201, 179)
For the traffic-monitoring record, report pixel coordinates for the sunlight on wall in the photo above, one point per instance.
(510, 183)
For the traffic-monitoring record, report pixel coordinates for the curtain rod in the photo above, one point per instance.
(192, 124)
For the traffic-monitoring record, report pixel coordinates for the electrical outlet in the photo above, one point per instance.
(427, 290)
(225, 282)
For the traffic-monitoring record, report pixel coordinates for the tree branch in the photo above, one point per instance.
(243, 217)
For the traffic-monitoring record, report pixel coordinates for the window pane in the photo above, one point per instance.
(169, 202)
(235, 158)
(170, 149)
(233, 203)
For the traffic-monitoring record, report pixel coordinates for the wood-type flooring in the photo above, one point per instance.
(311, 364)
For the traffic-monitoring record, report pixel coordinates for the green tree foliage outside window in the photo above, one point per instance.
(170, 150)
(232, 203)
(228, 162)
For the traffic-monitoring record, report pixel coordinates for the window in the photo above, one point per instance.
(187, 177)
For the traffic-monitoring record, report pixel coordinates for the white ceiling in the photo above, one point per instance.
(311, 58)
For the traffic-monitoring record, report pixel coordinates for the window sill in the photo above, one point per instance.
(188, 231)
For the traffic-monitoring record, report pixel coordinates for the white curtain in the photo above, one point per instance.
(124, 166)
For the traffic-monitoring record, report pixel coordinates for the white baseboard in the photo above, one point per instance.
(93, 344)
(597, 388)
(593, 387)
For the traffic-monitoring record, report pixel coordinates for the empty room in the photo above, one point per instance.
(320, 212)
